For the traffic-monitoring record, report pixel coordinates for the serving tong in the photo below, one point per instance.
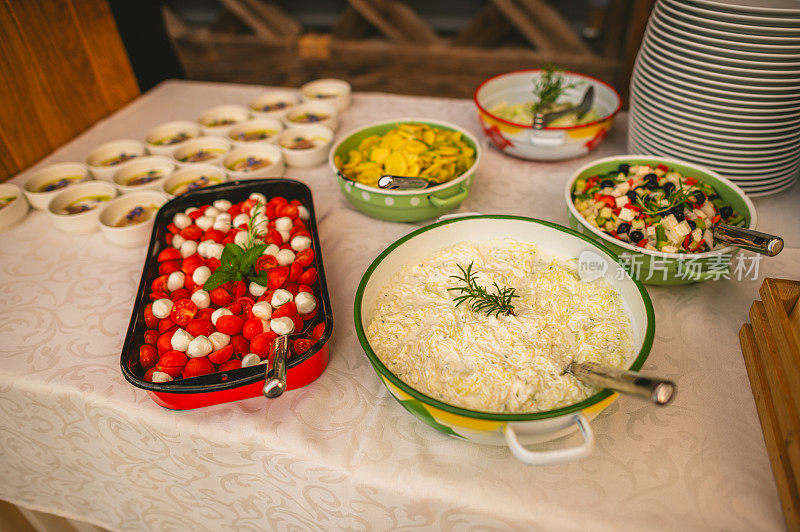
(541, 120)
(659, 391)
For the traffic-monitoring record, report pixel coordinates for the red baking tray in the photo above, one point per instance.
(243, 383)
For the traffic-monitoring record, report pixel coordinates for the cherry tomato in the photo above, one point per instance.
(235, 308)
(165, 325)
(251, 328)
(288, 210)
(194, 215)
(298, 323)
(295, 271)
(171, 363)
(277, 277)
(220, 297)
(204, 314)
(148, 356)
(173, 229)
(169, 254)
(214, 234)
(240, 344)
(192, 232)
(229, 325)
(168, 238)
(264, 263)
(196, 367)
(198, 327)
(262, 344)
(304, 288)
(234, 210)
(239, 289)
(247, 306)
(149, 319)
(180, 293)
(221, 356)
(231, 365)
(273, 237)
(183, 311)
(169, 266)
(302, 232)
(158, 295)
(151, 337)
(148, 376)
(305, 257)
(318, 331)
(160, 284)
(291, 287)
(213, 264)
(287, 309)
(191, 263)
(308, 277)
(301, 345)
(248, 204)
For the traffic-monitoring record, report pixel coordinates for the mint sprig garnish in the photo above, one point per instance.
(237, 263)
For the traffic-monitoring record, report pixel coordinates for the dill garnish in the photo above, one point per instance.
(549, 88)
(651, 203)
(481, 300)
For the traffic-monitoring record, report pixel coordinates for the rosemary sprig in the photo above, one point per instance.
(481, 300)
(651, 203)
(549, 88)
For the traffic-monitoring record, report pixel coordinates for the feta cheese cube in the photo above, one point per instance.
(669, 221)
(669, 249)
(622, 201)
(697, 234)
(683, 229)
(622, 188)
(626, 215)
(651, 231)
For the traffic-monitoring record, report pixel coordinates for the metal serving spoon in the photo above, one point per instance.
(397, 182)
(540, 120)
(764, 243)
(659, 391)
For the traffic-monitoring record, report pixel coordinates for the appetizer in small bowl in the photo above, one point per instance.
(258, 130)
(305, 146)
(107, 158)
(146, 173)
(333, 91)
(44, 184)
(76, 209)
(164, 139)
(193, 177)
(274, 104)
(203, 150)
(128, 220)
(254, 161)
(221, 119)
(13, 206)
(312, 114)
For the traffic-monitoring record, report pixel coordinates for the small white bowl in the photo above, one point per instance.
(274, 104)
(164, 139)
(222, 118)
(271, 126)
(104, 160)
(333, 91)
(178, 182)
(218, 147)
(16, 208)
(125, 178)
(68, 173)
(121, 208)
(320, 136)
(326, 112)
(268, 152)
(83, 222)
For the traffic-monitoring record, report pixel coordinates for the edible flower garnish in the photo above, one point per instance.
(481, 300)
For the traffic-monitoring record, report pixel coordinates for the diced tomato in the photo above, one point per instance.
(221, 356)
(318, 331)
(148, 356)
(169, 266)
(230, 325)
(197, 327)
(295, 270)
(277, 277)
(301, 345)
(687, 241)
(149, 319)
(287, 309)
(160, 284)
(165, 325)
(183, 311)
(308, 277)
(220, 297)
(151, 337)
(305, 257)
(215, 234)
(169, 254)
(642, 243)
(197, 366)
(264, 263)
(231, 365)
(609, 201)
(663, 168)
(716, 219)
(191, 233)
(691, 181)
(240, 344)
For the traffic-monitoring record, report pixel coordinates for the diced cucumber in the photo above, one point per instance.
(600, 221)
(606, 212)
(700, 223)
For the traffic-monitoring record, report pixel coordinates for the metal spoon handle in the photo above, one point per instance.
(540, 120)
(659, 391)
(276, 385)
(766, 244)
(398, 182)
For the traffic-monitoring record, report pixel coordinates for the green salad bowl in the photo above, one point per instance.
(657, 267)
(403, 205)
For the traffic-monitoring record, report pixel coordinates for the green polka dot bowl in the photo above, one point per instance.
(404, 205)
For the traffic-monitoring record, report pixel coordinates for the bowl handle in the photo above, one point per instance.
(546, 138)
(450, 202)
(556, 456)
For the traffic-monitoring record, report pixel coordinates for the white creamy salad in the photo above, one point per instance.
(510, 363)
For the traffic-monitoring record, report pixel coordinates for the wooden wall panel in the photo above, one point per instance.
(65, 69)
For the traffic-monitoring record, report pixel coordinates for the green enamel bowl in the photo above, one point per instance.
(404, 205)
(516, 431)
(656, 267)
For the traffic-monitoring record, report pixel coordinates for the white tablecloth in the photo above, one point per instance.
(77, 440)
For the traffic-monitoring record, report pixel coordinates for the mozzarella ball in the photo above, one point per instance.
(303, 213)
(285, 235)
(177, 241)
(215, 250)
(220, 312)
(181, 221)
(203, 247)
(258, 196)
(280, 297)
(272, 249)
(284, 223)
(180, 340)
(188, 248)
(222, 225)
(219, 340)
(223, 216)
(222, 204)
(285, 257)
(175, 281)
(160, 376)
(211, 212)
(241, 219)
(161, 308)
(200, 346)
(204, 222)
(250, 359)
(282, 326)
(201, 299)
(201, 275)
(241, 238)
(301, 242)
(262, 310)
(306, 302)
(256, 290)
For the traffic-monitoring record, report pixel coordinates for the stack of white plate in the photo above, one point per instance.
(717, 82)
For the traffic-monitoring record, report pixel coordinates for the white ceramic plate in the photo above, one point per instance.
(736, 28)
(758, 7)
(733, 18)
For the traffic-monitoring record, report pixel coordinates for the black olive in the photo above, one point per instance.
(633, 196)
(606, 183)
(726, 211)
(623, 228)
(636, 236)
(624, 168)
(679, 214)
(713, 196)
(651, 185)
(668, 188)
(692, 225)
(651, 177)
(699, 197)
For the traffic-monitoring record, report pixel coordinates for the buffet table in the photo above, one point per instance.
(77, 440)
